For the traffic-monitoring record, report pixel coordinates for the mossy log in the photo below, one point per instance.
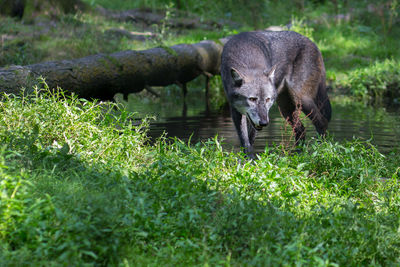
(150, 17)
(101, 76)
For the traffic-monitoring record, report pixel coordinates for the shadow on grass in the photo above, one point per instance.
(179, 210)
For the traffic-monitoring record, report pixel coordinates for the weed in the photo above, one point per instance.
(162, 30)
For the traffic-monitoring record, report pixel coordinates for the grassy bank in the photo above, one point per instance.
(81, 185)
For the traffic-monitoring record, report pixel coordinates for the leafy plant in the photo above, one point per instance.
(375, 82)
(299, 25)
(163, 30)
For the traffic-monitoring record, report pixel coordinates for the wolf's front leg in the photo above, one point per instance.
(242, 129)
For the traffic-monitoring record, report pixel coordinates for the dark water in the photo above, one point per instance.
(349, 120)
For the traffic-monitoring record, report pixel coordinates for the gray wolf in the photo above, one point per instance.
(260, 68)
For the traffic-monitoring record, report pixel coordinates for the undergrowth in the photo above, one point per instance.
(375, 82)
(80, 185)
(358, 39)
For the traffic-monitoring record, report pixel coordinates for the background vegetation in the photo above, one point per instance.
(80, 183)
(355, 37)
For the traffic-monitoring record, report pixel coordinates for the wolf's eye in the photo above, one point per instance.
(267, 100)
(253, 99)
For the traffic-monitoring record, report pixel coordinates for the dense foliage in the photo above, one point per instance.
(80, 183)
(355, 37)
(375, 82)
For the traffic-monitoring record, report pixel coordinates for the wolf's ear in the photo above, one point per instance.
(271, 72)
(237, 78)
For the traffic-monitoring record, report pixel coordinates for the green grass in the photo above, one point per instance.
(355, 51)
(375, 82)
(80, 35)
(81, 184)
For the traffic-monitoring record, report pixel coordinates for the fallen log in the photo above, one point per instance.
(101, 76)
(150, 17)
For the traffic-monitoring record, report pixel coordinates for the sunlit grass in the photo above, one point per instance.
(82, 35)
(81, 184)
(376, 81)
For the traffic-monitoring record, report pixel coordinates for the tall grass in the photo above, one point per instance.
(80, 185)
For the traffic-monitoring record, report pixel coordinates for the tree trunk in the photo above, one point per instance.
(101, 76)
(14, 8)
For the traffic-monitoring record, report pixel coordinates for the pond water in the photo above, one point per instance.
(192, 121)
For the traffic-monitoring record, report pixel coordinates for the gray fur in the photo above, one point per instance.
(260, 68)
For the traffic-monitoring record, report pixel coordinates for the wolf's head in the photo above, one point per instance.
(253, 96)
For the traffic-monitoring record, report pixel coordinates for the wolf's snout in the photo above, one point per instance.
(263, 123)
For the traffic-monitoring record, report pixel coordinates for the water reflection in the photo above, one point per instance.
(380, 126)
(344, 126)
